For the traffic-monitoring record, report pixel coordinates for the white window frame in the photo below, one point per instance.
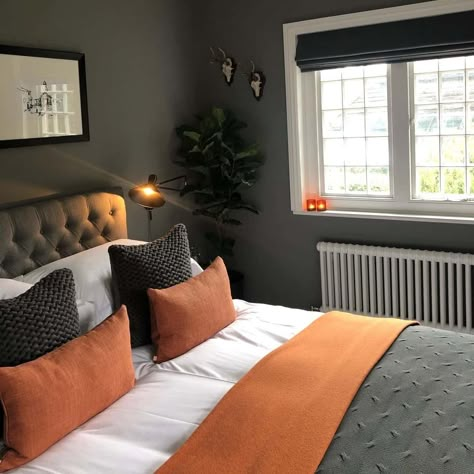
(303, 142)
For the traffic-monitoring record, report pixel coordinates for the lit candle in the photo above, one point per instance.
(311, 205)
(321, 205)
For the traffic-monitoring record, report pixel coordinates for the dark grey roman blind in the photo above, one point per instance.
(399, 41)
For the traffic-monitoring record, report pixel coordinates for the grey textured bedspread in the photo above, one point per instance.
(415, 411)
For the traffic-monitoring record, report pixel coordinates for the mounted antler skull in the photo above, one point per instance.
(228, 65)
(257, 80)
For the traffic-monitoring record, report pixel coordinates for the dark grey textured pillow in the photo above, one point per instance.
(159, 264)
(39, 320)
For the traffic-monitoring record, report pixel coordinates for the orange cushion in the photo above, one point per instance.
(188, 314)
(47, 398)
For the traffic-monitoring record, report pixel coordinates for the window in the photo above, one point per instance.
(354, 149)
(391, 140)
(443, 128)
(354, 157)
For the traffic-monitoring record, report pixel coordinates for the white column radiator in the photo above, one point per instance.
(434, 288)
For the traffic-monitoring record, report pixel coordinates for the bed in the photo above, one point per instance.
(416, 407)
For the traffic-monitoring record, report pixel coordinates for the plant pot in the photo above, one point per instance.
(236, 284)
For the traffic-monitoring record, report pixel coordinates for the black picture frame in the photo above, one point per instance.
(46, 53)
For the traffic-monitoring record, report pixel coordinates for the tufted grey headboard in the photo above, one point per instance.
(35, 234)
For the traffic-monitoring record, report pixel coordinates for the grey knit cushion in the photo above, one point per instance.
(159, 264)
(39, 320)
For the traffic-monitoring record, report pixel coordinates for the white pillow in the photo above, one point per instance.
(195, 268)
(12, 288)
(92, 275)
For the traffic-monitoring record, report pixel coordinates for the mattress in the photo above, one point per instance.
(143, 429)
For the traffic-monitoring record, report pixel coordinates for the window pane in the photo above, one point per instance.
(449, 64)
(452, 86)
(426, 66)
(354, 123)
(470, 118)
(334, 180)
(470, 85)
(331, 95)
(453, 151)
(470, 177)
(427, 181)
(377, 151)
(330, 75)
(375, 70)
(353, 93)
(376, 92)
(426, 88)
(356, 180)
(427, 151)
(355, 151)
(334, 151)
(379, 180)
(332, 124)
(426, 120)
(453, 119)
(352, 72)
(470, 150)
(453, 180)
(377, 122)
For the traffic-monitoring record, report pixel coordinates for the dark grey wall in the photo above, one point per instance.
(138, 58)
(148, 70)
(277, 250)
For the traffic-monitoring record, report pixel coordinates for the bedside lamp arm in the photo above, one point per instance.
(183, 177)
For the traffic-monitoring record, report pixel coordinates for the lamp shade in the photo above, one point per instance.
(147, 195)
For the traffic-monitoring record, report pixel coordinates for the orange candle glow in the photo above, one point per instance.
(321, 205)
(311, 205)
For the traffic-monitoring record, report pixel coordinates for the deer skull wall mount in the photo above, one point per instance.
(227, 64)
(257, 80)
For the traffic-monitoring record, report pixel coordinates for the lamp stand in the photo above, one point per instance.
(149, 211)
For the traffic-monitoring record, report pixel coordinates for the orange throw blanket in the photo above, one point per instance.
(283, 415)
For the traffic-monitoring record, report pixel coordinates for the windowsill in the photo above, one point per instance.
(390, 216)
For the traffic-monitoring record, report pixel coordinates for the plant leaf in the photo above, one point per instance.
(185, 128)
(232, 221)
(189, 188)
(195, 149)
(219, 115)
(251, 151)
(246, 207)
(194, 136)
(208, 147)
(205, 213)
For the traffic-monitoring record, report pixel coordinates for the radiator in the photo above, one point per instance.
(434, 288)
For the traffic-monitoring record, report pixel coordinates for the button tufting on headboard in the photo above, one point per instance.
(39, 233)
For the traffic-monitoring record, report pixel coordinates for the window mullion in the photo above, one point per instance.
(400, 132)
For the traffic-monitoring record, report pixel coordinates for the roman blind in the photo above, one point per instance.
(398, 41)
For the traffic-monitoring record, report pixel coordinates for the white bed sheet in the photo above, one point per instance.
(143, 429)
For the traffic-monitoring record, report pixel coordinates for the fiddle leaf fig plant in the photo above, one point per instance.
(221, 165)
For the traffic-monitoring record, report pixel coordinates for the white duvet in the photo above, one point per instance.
(143, 429)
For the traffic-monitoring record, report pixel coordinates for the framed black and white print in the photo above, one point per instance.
(43, 97)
